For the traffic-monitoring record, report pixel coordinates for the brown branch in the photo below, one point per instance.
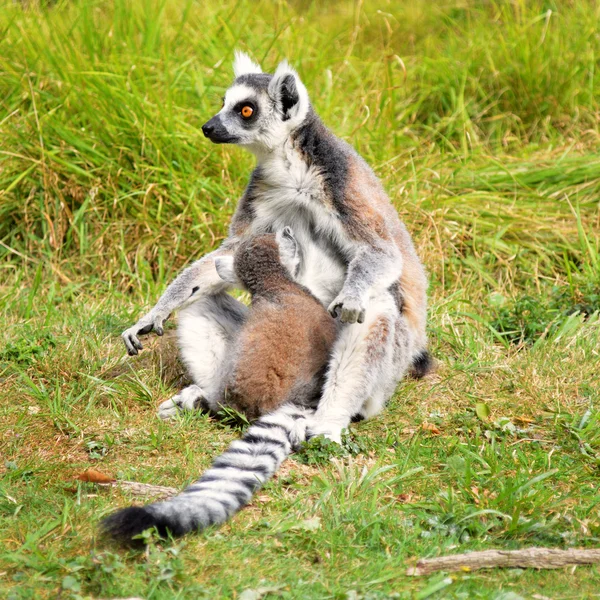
(143, 490)
(534, 558)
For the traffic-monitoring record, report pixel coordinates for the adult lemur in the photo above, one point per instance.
(359, 259)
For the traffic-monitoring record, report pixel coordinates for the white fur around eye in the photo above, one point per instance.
(238, 93)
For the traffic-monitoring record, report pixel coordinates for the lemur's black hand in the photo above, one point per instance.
(348, 309)
(144, 325)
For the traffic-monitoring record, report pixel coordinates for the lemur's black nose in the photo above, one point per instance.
(207, 129)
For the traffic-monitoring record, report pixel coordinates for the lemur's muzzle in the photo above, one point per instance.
(215, 131)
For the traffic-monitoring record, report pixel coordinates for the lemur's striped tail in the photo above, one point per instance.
(226, 487)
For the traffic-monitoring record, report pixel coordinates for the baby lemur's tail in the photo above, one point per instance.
(226, 487)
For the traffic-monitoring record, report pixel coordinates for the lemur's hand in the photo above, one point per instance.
(146, 324)
(350, 309)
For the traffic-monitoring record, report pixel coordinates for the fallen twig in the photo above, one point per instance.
(534, 558)
(145, 490)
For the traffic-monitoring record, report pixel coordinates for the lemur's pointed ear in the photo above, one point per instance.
(289, 251)
(243, 64)
(289, 94)
(225, 270)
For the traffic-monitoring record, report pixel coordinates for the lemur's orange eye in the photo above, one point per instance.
(247, 111)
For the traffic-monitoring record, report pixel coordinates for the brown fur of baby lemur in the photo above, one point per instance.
(285, 343)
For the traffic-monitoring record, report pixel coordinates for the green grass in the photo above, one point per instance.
(482, 118)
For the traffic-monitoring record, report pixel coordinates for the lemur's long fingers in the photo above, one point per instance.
(131, 343)
(335, 310)
(352, 313)
(349, 315)
(158, 328)
(130, 349)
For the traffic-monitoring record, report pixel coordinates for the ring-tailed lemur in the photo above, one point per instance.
(359, 258)
(285, 343)
(277, 367)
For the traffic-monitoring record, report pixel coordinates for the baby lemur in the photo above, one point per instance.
(284, 345)
(279, 363)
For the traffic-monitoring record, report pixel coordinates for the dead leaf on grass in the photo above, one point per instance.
(433, 429)
(263, 498)
(404, 498)
(407, 498)
(522, 420)
(482, 410)
(94, 476)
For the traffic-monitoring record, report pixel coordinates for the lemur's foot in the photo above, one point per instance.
(190, 398)
(331, 432)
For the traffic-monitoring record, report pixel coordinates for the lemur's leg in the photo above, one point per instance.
(207, 331)
(189, 398)
(367, 362)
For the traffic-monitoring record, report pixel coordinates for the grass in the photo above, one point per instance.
(482, 118)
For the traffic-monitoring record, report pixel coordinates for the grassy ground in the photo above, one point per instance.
(482, 118)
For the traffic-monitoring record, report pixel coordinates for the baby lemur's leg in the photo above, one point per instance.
(367, 362)
(189, 398)
(206, 331)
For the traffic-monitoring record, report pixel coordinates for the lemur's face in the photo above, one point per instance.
(259, 110)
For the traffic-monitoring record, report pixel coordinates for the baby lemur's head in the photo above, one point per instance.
(259, 110)
(262, 262)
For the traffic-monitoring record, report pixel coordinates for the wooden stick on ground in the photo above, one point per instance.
(144, 490)
(534, 558)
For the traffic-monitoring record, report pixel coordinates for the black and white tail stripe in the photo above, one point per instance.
(226, 487)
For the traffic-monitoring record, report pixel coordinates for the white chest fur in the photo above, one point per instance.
(292, 194)
(288, 185)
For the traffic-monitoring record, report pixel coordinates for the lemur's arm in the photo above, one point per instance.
(197, 280)
(373, 266)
